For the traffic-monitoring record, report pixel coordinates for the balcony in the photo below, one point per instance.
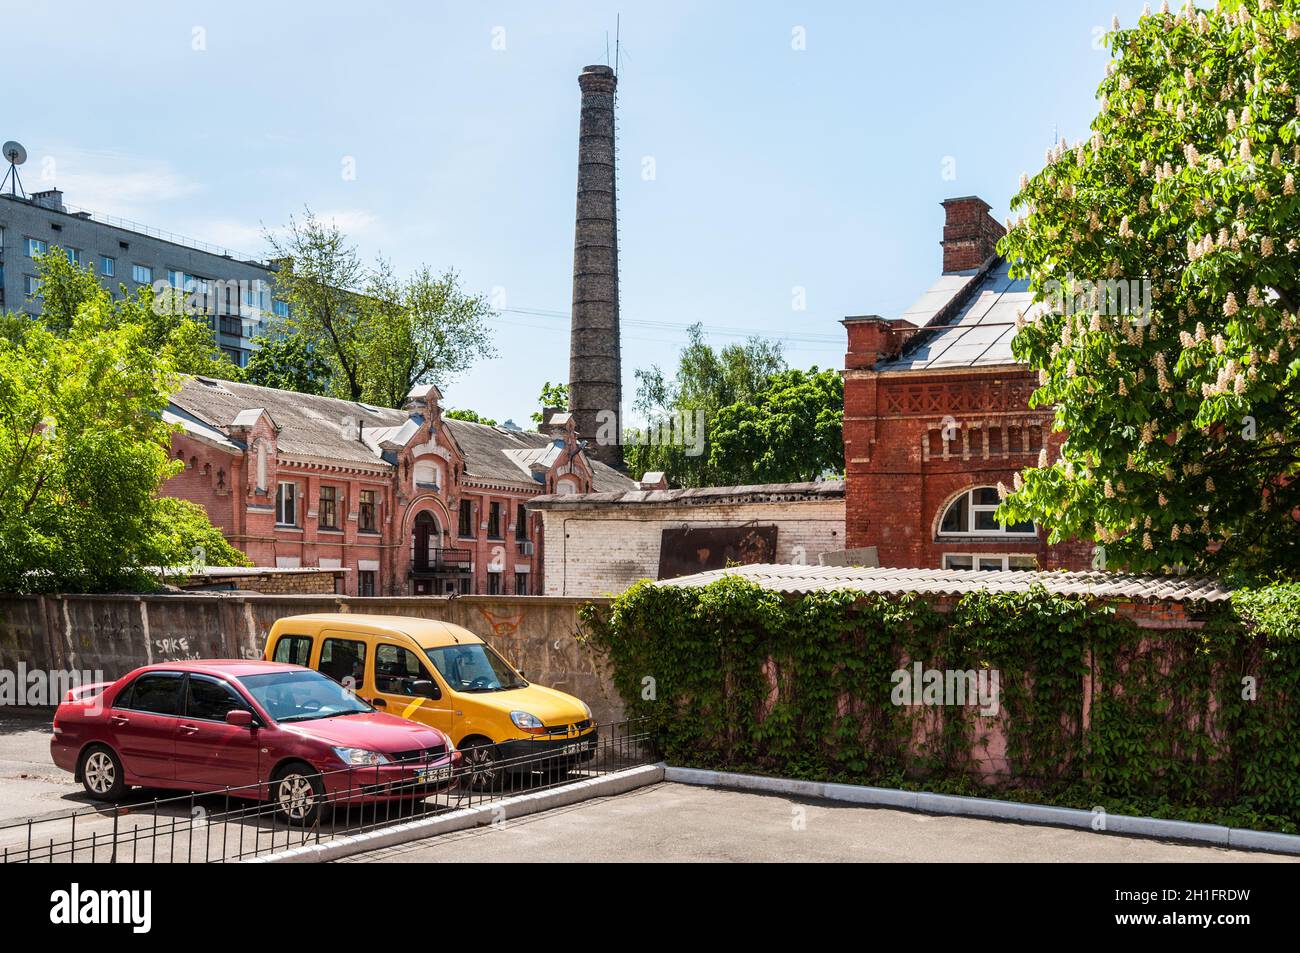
(436, 562)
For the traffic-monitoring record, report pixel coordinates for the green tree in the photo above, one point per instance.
(288, 361)
(381, 333)
(790, 431)
(1183, 418)
(470, 416)
(417, 330)
(685, 408)
(83, 451)
(318, 274)
(552, 395)
(166, 320)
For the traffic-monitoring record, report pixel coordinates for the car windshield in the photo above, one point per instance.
(302, 696)
(474, 668)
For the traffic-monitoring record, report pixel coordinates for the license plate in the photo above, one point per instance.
(433, 775)
(579, 748)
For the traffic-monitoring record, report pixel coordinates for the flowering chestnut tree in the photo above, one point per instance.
(1164, 254)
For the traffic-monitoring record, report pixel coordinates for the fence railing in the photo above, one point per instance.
(238, 823)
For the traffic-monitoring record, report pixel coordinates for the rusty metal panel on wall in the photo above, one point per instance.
(690, 550)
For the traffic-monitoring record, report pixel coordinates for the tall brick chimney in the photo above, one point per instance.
(970, 233)
(595, 359)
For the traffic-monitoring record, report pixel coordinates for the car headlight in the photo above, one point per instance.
(586, 708)
(360, 756)
(526, 722)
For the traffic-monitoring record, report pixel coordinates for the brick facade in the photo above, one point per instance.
(917, 437)
(241, 443)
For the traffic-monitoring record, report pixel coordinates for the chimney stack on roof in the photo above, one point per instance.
(970, 233)
(653, 480)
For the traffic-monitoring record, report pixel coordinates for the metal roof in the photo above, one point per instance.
(956, 582)
(978, 334)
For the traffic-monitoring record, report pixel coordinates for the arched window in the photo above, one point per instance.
(972, 514)
(565, 486)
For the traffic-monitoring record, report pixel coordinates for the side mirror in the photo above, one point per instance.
(425, 689)
(240, 718)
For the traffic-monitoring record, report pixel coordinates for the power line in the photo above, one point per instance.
(792, 343)
(798, 336)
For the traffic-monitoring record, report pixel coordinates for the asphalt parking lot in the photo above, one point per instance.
(677, 822)
(664, 822)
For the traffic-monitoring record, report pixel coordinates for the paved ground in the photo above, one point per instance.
(676, 822)
(29, 783)
(665, 822)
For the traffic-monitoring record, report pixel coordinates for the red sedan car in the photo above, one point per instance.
(277, 732)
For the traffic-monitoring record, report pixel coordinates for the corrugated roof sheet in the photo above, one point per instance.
(979, 333)
(697, 496)
(956, 582)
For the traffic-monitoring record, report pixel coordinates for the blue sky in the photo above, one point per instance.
(775, 168)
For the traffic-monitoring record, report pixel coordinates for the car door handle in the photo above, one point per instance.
(189, 729)
(119, 720)
(379, 703)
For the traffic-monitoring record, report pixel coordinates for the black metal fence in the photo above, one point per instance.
(239, 823)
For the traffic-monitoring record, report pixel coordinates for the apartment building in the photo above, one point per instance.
(234, 294)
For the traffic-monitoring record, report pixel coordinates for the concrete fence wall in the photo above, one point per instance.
(113, 634)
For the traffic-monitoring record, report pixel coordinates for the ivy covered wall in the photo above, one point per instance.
(1200, 723)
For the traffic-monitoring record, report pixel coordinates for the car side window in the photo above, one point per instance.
(397, 669)
(294, 649)
(343, 659)
(157, 693)
(209, 699)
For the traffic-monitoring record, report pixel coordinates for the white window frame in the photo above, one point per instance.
(37, 246)
(971, 509)
(280, 507)
(1003, 558)
(137, 270)
(107, 266)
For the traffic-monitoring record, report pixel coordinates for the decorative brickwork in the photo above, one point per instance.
(917, 437)
(407, 502)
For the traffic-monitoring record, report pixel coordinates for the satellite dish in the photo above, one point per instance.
(14, 152)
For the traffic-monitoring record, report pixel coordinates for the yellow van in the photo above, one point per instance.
(445, 676)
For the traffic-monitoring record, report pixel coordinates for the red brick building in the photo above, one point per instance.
(936, 414)
(405, 501)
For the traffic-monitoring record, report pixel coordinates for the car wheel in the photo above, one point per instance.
(298, 794)
(483, 762)
(101, 774)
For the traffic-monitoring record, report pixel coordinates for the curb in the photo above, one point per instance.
(522, 805)
(1211, 834)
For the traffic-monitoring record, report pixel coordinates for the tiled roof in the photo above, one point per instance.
(974, 320)
(698, 496)
(956, 582)
(314, 426)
